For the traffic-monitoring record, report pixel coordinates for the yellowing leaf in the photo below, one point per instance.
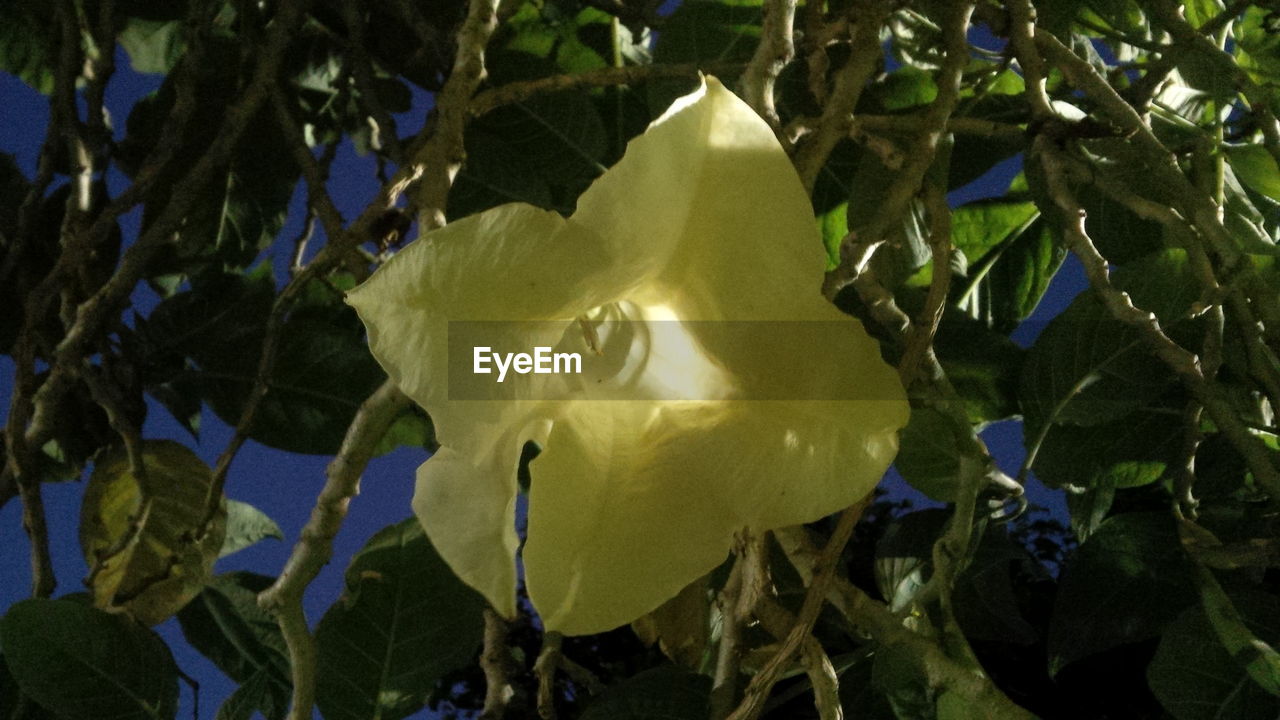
(722, 392)
(139, 535)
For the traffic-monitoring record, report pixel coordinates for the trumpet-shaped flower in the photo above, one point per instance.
(687, 275)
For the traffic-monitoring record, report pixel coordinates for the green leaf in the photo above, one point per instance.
(929, 455)
(905, 88)
(983, 365)
(154, 46)
(1090, 507)
(246, 525)
(1129, 452)
(494, 174)
(557, 140)
(323, 369)
(662, 693)
(1118, 233)
(147, 561)
(225, 623)
(1087, 368)
(1196, 678)
(1259, 46)
(834, 226)
(986, 605)
(404, 621)
(28, 45)
(83, 663)
(1011, 256)
(704, 31)
(245, 701)
(1125, 584)
(904, 556)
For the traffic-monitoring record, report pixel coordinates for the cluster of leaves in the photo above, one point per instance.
(1129, 623)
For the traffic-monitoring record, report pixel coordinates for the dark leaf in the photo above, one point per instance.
(225, 623)
(28, 44)
(983, 365)
(703, 31)
(86, 664)
(1125, 584)
(661, 693)
(986, 605)
(1088, 368)
(404, 621)
(1196, 678)
(323, 368)
(928, 455)
(1129, 452)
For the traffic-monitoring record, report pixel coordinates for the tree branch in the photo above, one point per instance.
(315, 545)
(441, 155)
(812, 153)
(1183, 363)
(514, 92)
(920, 157)
(94, 313)
(823, 574)
(773, 52)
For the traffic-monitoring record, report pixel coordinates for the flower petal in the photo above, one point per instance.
(631, 500)
(513, 262)
(707, 205)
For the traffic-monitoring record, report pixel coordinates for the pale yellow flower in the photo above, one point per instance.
(663, 447)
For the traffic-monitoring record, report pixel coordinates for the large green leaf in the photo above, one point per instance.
(86, 664)
(1131, 451)
(662, 693)
(1196, 678)
(1011, 259)
(148, 562)
(553, 144)
(225, 623)
(404, 621)
(1088, 368)
(323, 369)
(1125, 584)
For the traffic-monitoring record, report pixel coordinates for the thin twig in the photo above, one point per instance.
(93, 314)
(514, 92)
(362, 72)
(778, 621)
(920, 338)
(724, 684)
